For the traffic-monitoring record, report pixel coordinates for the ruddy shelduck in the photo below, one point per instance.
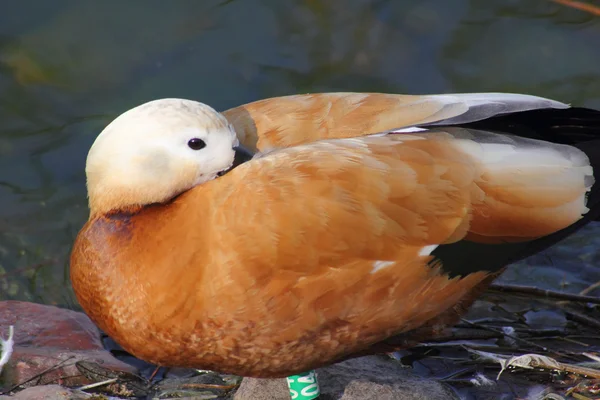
(364, 223)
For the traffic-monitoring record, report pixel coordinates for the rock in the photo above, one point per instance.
(48, 342)
(364, 378)
(48, 392)
(209, 385)
(264, 389)
(545, 319)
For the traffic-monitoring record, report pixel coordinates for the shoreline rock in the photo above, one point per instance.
(364, 378)
(48, 341)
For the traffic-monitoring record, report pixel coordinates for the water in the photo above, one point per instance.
(68, 67)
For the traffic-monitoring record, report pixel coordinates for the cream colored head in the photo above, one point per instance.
(145, 156)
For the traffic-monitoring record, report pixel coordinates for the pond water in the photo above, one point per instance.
(69, 67)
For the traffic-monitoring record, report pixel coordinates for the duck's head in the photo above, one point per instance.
(156, 151)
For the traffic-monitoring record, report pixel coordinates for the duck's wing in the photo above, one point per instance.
(292, 120)
(348, 228)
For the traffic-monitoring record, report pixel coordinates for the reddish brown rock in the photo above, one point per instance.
(49, 392)
(48, 342)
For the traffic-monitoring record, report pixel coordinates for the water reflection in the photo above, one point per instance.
(68, 67)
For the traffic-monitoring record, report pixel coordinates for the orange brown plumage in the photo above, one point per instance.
(319, 249)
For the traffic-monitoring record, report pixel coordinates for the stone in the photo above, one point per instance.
(48, 392)
(48, 342)
(364, 378)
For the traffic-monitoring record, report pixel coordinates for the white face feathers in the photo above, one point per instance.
(156, 151)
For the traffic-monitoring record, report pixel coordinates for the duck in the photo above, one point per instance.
(294, 232)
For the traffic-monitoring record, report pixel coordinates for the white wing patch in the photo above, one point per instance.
(379, 265)
(408, 130)
(425, 251)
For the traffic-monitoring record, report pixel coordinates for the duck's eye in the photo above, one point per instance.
(196, 144)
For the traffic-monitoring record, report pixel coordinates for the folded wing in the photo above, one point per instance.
(348, 225)
(292, 120)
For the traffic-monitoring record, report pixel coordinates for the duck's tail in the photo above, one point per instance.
(578, 127)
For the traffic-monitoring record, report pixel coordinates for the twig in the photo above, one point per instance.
(575, 369)
(590, 288)
(592, 9)
(209, 386)
(581, 318)
(532, 361)
(566, 339)
(580, 396)
(95, 372)
(496, 321)
(456, 374)
(466, 334)
(550, 332)
(533, 291)
(490, 348)
(153, 375)
(592, 357)
(518, 339)
(96, 384)
(27, 268)
(541, 333)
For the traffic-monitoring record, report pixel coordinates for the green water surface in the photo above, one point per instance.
(68, 67)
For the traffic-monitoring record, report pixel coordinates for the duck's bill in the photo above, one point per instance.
(242, 155)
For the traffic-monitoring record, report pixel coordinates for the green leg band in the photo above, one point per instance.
(304, 386)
